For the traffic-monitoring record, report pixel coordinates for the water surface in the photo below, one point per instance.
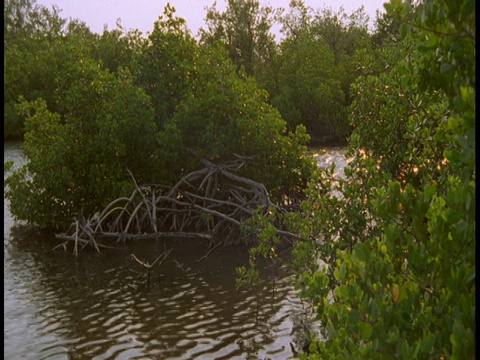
(97, 306)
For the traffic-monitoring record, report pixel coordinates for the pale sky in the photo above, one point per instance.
(141, 14)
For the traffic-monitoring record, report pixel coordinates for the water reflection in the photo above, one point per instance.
(96, 307)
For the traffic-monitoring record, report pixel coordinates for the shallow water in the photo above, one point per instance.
(97, 306)
(325, 156)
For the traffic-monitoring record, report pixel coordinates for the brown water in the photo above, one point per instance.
(96, 306)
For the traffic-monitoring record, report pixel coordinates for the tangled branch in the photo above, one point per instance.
(212, 203)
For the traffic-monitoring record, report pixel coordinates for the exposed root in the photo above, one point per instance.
(212, 203)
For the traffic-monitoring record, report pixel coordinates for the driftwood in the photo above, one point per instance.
(212, 203)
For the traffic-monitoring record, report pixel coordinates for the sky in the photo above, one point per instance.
(141, 14)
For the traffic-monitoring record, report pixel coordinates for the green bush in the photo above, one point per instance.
(80, 158)
(389, 262)
(225, 114)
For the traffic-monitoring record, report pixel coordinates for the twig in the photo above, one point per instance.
(208, 253)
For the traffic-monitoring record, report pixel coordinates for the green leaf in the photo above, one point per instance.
(391, 233)
(365, 330)
(430, 190)
(7, 166)
(360, 252)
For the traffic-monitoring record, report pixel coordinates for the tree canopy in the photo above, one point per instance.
(95, 119)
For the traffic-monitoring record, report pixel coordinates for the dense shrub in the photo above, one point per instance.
(389, 264)
(80, 159)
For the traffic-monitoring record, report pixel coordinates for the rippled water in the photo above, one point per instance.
(96, 306)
